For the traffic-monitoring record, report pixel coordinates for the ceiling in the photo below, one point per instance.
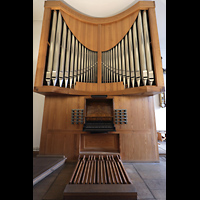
(106, 8)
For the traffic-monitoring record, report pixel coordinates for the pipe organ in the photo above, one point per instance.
(99, 76)
(70, 61)
(130, 59)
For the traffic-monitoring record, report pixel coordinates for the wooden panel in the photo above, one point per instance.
(100, 142)
(99, 107)
(137, 140)
(58, 135)
(92, 87)
(85, 33)
(157, 62)
(138, 112)
(71, 146)
(58, 5)
(113, 29)
(113, 33)
(57, 143)
(86, 86)
(99, 40)
(105, 89)
(139, 146)
(100, 191)
(99, 37)
(138, 137)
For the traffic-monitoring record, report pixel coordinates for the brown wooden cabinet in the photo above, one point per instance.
(135, 140)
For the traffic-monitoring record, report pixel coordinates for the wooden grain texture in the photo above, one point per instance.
(157, 62)
(110, 89)
(99, 143)
(137, 138)
(101, 37)
(99, 107)
(58, 5)
(85, 33)
(100, 191)
(112, 33)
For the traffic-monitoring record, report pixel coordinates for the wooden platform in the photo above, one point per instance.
(99, 177)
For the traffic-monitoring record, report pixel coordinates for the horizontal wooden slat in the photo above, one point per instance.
(142, 90)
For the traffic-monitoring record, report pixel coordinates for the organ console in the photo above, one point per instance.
(99, 75)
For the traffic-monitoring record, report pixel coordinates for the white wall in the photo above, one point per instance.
(38, 100)
(160, 113)
(94, 8)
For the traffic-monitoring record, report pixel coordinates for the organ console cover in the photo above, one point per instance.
(99, 76)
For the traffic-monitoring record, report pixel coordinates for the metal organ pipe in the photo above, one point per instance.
(147, 49)
(136, 55)
(71, 62)
(120, 68)
(79, 62)
(131, 58)
(61, 74)
(123, 64)
(67, 57)
(116, 63)
(68, 60)
(51, 50)
(57, 50)
(129, 61)
(141, 49)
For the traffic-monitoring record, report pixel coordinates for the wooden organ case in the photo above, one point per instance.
(99, 76)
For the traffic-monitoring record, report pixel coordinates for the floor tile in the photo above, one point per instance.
(150, 166)
(159, 194)
(156, 184)
(152, 174)
(133, 175)
(142, 190)
(149, 180)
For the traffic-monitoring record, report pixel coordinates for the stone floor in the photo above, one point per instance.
(149, 180)
(162, 148)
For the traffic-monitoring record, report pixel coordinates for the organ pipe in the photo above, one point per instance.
(129, 61)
